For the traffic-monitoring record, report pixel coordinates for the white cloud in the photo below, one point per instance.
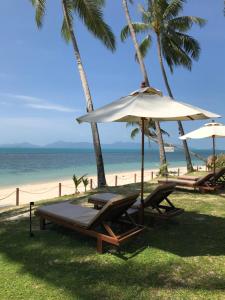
(38, 103)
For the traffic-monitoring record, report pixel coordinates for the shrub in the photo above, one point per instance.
(220, 161)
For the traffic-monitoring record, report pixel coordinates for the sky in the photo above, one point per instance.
(40, 88)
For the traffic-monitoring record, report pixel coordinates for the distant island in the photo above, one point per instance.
(85, 145)
(77, 145)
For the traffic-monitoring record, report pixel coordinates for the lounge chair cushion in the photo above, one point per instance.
(114, 208)
(153, 199)
(105, 197)
(189, 183)
(74, 214)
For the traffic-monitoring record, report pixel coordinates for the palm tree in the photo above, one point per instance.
(173, 44)
(132, 32)
(149, 129)
(90, 12)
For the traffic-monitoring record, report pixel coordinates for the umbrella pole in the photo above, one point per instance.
(214, 155)
(142, 168)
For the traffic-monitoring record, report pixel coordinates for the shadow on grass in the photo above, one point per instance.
(68, 260)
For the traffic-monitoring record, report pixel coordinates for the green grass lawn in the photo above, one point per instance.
(183, 259)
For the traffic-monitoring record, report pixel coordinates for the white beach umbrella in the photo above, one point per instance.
(210, 130)
(145, 103)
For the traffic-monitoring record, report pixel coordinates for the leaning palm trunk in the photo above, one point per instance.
(89, 104)
(180, 126)
(162, 154)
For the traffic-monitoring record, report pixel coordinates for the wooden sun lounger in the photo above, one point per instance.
(203, 183)
(187, 177)
(153, 202)
(91, 222)
(209, 182)
(219, 177)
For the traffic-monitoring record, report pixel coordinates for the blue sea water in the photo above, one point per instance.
(20, 166)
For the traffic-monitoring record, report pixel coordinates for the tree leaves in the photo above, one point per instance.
(39, 6)
(162, 17)
(90, 13)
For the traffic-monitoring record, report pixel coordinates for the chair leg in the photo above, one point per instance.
(99, 245)
(42, 224)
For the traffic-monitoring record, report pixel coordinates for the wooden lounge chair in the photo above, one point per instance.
(188, 177)
(203, 183)
(219, 178)
(91, 222)
(153, 202)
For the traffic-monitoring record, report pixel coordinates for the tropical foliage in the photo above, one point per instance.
(90, 13)
(146, 81)
(219, 161)
(77, 181)
(174, 45)
(85, 183)
(149, 130)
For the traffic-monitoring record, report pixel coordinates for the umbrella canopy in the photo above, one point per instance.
(146, 103)
(208, 130)
(213, 130)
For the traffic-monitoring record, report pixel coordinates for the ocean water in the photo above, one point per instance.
(21, 166)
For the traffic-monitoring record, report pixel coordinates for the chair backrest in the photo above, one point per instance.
(219, 173)
(159, 194)
(114, 209)
(204, 179)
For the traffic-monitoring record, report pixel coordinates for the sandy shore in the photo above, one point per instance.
(39, 191)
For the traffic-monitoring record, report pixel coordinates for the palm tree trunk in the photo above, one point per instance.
(89, 104)
(136, 45)
(162, 154)
(180, 126)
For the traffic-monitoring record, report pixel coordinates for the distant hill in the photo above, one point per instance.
(19, 145)
(86, 145)
(79, 145)
(62, 144)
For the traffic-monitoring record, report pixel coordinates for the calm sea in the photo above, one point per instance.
(19, 166)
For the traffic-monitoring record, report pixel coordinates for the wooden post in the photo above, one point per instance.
(152, 175)
(197, 168)
(115, 180)
(60, 189)
(135, 178)
(91, 183)
(17, 196)
(178, 172)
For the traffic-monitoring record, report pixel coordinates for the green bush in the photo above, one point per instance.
(220, 161)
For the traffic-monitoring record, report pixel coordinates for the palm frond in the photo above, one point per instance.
(144, 46)
(173, 9)
(39, 6)
(65, 30)
(175, 55)
(188, 44)
(184, 23)
(134, 132)
(90, 13)
(138, 27)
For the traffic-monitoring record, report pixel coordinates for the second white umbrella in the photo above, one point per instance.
(210, 130)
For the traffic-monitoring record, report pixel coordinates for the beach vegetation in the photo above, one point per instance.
(179, 259)
(90, 14)
(77, 180)
(149, 130)
(174, 45)
(219, 161)
(85, 181)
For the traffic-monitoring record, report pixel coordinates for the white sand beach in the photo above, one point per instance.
(47, 190)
